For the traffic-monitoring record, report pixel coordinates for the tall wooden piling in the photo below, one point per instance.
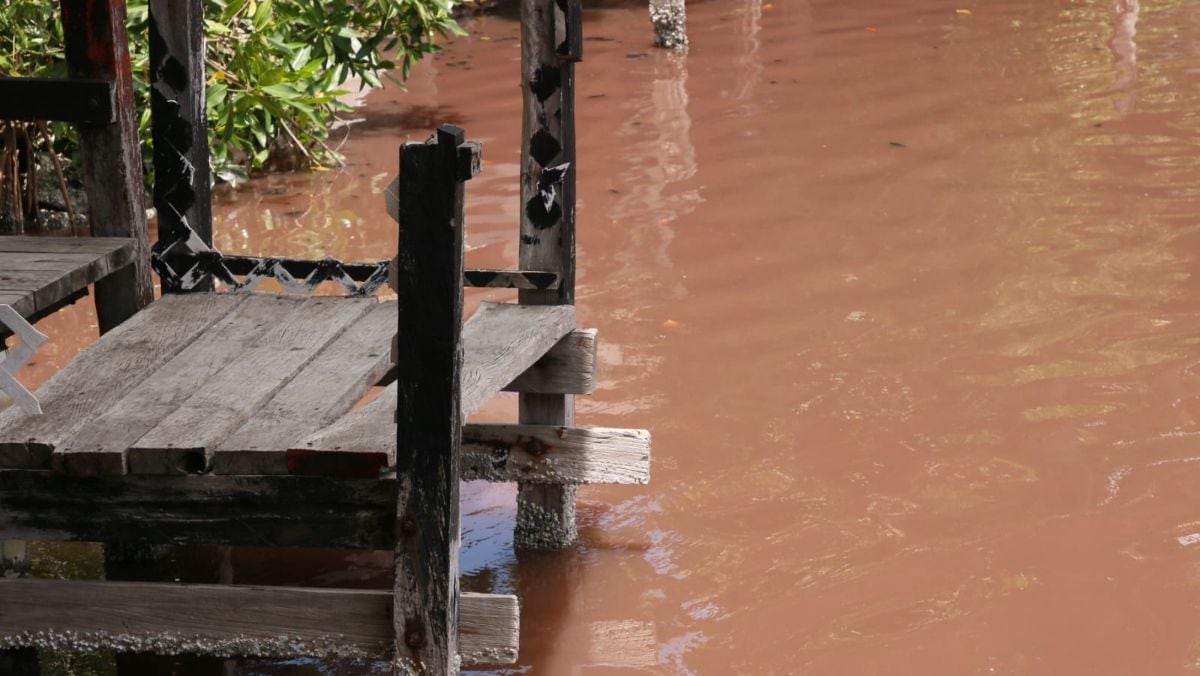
(97, 47)
(179, 126)
(429, 283)
(551, 44)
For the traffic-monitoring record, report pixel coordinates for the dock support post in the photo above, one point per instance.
(179, 127)
(14, 558)
(551, 44)
(97, 47)
(669, 18)
(429, 283)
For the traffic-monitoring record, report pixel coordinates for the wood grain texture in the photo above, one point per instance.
(556, 455)
(103, 373)
(184, 441)
(36, 276)
(570, 367)
(428, 417)
(97, 48)
(100, 447)
(243, 511)
(325, 390)
(500, 342)
(226, 620)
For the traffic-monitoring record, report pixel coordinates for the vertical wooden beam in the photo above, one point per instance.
(551, 43)
(428, 280)
(179, 126)
(97, 47)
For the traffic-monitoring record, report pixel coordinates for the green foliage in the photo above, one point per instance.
(274, 67)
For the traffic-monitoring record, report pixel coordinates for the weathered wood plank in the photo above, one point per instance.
(225, 620)
(569, 367)
(99, 246)
(428, 416)
(100, 447)
(104, 373)
(179, 510)
(500, 342)
(34, 278)
(184, 441)
(97, 48)
(556, 455)
(325, 390)
(35, 98)
(179, 125)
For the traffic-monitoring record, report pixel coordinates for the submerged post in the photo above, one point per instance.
(97, 47)
(551, 44)
(429, 356)
(669, 18)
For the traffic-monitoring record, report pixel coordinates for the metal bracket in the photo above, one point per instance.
(12, 360)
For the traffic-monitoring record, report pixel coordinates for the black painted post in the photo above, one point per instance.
(429, 282)
(97, 48)
(551, 43)
(179, 127)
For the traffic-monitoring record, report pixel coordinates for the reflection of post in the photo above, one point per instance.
(670, 23)
(752, 67)
(660, 156)
(1124, 49)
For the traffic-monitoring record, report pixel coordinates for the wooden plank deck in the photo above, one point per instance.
(259, 384)
(40, 274)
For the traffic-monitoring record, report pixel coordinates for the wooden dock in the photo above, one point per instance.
(219, 415)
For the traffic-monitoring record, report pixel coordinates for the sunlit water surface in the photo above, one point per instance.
(905, 292)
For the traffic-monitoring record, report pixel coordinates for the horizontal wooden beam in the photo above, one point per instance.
(555, 455)
(58, 99)
(258, 511)
(228, 621)
(533, 453)
(568, 368)
(510, 279)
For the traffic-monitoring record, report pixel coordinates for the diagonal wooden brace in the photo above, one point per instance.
(12, 360)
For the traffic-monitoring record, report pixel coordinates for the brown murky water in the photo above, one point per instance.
(905, 292)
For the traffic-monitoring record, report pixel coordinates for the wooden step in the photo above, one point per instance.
(227, 621)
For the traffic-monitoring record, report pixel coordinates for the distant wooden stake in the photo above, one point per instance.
(428, 410)
(97, 48)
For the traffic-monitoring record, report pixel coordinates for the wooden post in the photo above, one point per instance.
(669, 18)
(551, 43)
(97, 47)
(429, 282)
(179, 126)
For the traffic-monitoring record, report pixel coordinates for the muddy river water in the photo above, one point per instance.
(906, 292)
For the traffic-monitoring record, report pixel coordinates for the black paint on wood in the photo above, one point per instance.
(428, 413)
(97, 48)
(179, 127)
(253, 511)
(91, 101)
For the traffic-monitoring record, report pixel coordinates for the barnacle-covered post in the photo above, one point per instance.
(669, 18)
(551, 44)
